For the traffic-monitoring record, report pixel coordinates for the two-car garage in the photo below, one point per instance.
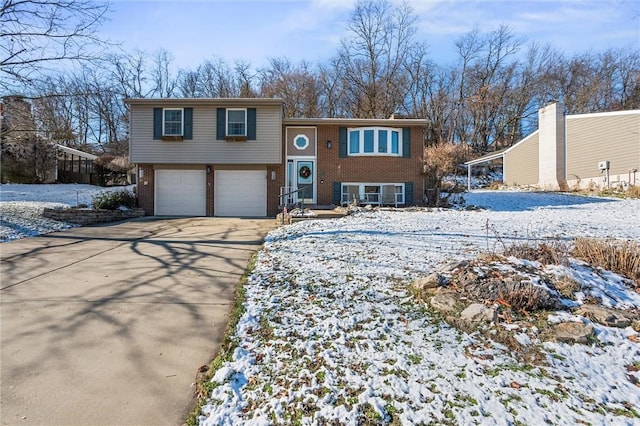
(237, 193)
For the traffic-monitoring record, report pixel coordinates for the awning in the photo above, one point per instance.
(484, 159)
(76, 152)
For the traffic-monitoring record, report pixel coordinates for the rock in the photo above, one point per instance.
(444, 302)
(477, 312)
(452, 265)
(605, 316)
(430, 281)
(467, 278)
(572, 332)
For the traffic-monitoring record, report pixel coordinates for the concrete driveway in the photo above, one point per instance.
(107, 325)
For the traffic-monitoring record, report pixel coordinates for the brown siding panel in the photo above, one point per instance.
(521, 162)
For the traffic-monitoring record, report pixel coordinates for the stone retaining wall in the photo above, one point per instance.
(90, 216)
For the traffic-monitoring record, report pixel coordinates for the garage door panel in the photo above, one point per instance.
(240, 193)
(180, 193)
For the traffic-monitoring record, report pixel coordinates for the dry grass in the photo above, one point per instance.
(633, 191)
(567, 286)
(525, 297)
(496, 184)
(621, 257)
(553, 253)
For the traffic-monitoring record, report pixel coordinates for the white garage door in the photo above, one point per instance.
(240, 193)
(180, 193)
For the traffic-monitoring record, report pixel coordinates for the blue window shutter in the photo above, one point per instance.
(406, 142)
(342, 148)
(336, 194)
(408, 193)
(251, 124)
(157, 123)
(188, 123)
(221, 123)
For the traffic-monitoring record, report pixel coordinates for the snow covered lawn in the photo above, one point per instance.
(21, 206)
(331, 334)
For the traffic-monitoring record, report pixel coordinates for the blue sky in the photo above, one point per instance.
(194, 31)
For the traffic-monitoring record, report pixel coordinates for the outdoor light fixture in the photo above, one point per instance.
(208, 170)
(329, 144)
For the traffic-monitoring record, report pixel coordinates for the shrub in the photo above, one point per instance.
(622, 257)
(526, 297)
(112, 200)
(439, 161)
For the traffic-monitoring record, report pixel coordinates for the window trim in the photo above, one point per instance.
(164, 121)
(362, 190)
(306, 139)
(376, 142)
(226, 130)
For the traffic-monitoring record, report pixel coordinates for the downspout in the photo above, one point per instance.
(469, 177)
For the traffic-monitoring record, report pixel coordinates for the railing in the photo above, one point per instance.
(288, 192)
(286, 198)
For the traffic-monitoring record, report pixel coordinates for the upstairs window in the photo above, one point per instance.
(236, 122)
(375, 141)
(172, 122)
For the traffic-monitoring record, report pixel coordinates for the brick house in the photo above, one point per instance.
(240, 157)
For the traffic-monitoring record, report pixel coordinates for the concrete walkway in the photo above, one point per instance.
(107, 325)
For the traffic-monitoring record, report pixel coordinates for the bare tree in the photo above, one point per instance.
(374, 59)
(244, 78)
(488, 69)
(164, 81)
(36, 35)
(212, 79)
(297, 85)
(331, 86)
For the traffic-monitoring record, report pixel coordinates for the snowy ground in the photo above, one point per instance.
(21, 206)
(331, 335)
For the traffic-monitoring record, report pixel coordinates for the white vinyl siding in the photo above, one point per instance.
(240, 193)
(180, 192)
(204, 148)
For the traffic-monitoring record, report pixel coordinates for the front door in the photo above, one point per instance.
(301, 175)
(305, 172)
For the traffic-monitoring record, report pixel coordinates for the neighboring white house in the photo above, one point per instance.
(574, 151)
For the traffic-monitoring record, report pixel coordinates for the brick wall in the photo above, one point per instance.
(145, 188)
(332, 168)
(90, 216)
(210, 190)
(273, 188)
